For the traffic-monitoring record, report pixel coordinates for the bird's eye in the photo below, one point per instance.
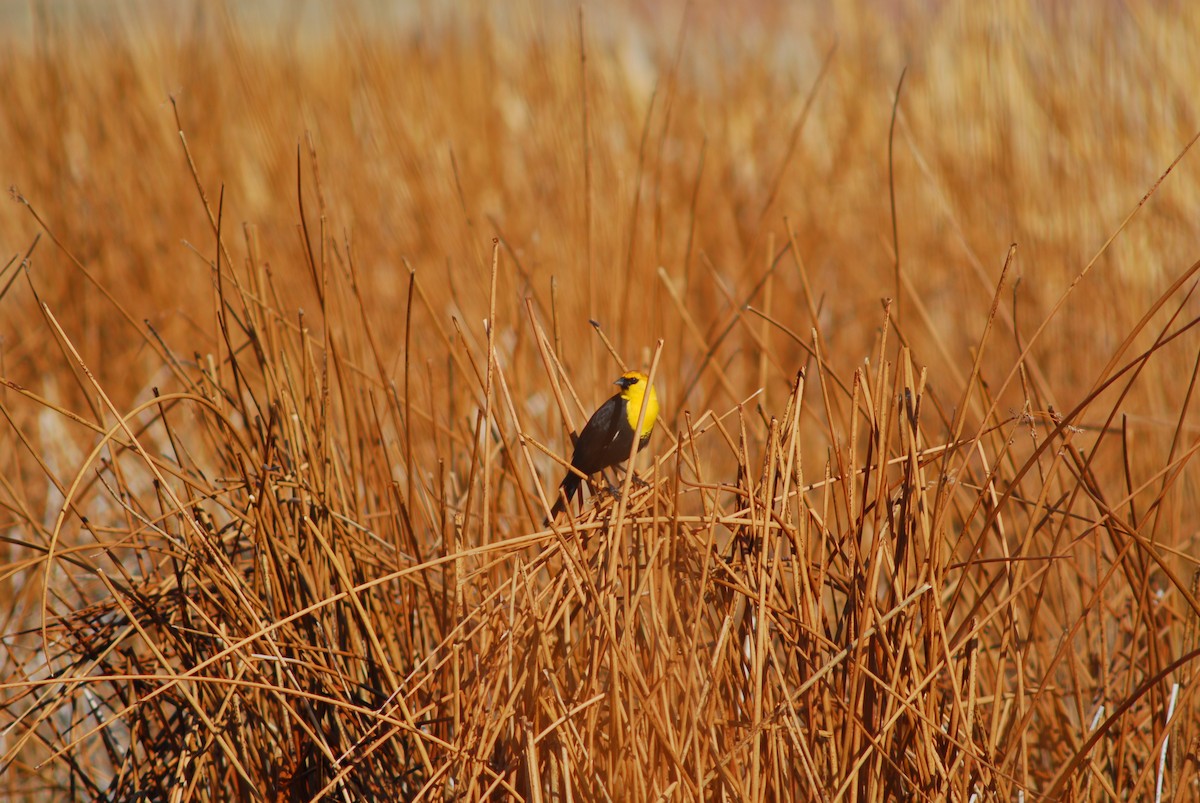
(633, 380)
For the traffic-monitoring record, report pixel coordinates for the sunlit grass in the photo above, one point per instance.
(317, 299)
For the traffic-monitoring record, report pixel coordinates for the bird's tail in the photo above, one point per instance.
(566, 492)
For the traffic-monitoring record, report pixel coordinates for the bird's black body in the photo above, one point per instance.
(605, 441)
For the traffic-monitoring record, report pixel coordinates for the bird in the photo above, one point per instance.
(608, 435)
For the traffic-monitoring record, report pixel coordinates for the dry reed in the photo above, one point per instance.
(272, 499)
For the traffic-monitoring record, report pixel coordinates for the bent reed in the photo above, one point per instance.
(917, 520)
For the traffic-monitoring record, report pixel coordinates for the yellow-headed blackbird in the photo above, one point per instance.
(608, 435)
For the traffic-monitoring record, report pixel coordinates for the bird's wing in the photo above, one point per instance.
(598, 435)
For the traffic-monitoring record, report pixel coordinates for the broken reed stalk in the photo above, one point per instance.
(270, 611)
(274, 573)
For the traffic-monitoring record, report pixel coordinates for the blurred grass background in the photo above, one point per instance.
(649, 187)
(1042, 128)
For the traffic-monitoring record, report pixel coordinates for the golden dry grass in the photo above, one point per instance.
(288, 376)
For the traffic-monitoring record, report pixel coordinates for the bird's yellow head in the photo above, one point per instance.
(634, 388)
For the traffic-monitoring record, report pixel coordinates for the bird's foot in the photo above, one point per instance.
(635, 481)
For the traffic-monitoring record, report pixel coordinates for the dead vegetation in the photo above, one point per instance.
(919, 521)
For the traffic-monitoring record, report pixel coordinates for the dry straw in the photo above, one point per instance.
(303, 559)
